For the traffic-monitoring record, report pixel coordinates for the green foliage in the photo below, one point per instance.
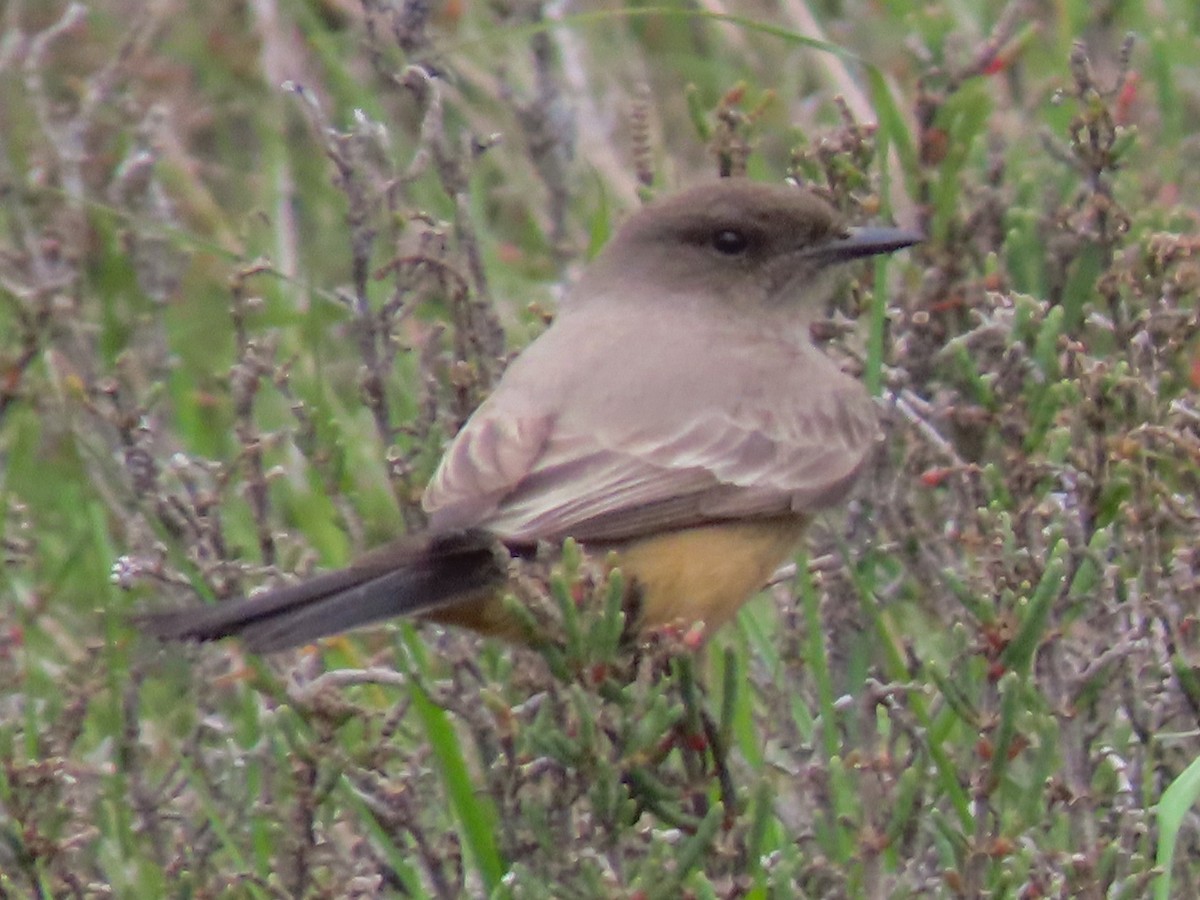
(238, 322)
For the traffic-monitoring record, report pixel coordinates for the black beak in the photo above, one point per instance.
(869, 241)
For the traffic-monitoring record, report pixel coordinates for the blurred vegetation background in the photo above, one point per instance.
(260, 258)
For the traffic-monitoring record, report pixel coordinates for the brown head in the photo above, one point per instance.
(741, 242)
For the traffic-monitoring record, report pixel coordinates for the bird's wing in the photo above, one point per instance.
(537, 477)
(496, 450)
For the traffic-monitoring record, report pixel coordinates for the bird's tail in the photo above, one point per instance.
(411, 576)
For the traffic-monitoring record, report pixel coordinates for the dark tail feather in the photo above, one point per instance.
(408, 577)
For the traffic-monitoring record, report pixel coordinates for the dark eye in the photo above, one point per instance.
(730, 242)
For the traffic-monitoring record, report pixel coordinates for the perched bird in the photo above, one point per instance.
(676, 412)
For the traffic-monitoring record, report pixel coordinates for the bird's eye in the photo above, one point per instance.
(730, 242)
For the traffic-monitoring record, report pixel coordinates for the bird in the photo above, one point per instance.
(676, 413)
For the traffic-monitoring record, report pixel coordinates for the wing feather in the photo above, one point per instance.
(616, 483)
(493, 453)
(740, 423)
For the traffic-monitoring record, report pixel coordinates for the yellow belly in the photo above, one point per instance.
(706, 574)
(682, 577)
